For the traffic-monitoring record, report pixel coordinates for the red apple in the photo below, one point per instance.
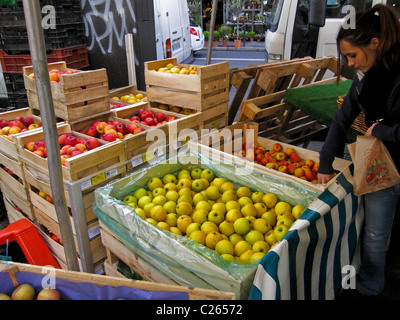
(150, 121)
(27, 121)
(131, 127)
(92, 143)
(294, 157)
(138, 130)
(39, 145)
(3, 123)
(135, 119)
(30, 145)
(109, 137)
(161, 116)
(71, 140)
(171, 118)
(121, 127)
(34, 126)
(277, 147)
(91, 131)
(61, 139)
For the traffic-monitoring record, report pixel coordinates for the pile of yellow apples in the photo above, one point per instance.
(130, 98)
(171, 68)
(236, 222)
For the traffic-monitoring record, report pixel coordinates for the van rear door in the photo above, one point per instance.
(175, 29)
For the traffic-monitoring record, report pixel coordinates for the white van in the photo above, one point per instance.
(289, 36)
(173, 18)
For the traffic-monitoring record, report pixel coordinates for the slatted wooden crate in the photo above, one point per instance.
(115, 281)
(128, 90)
(230, 140)
(77, 95)
(109, 154)
(209, 87)
(278, 76)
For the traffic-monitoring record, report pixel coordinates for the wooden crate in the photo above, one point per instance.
(88, 163)
(77, 95)
(277, 76)
(223, 143)
(14, 212)
(119, 92)
(113, 282)
(202, 91)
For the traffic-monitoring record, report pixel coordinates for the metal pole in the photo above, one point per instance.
(37, 48)
(212, 26)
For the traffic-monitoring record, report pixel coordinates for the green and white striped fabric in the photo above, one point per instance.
(308, 262)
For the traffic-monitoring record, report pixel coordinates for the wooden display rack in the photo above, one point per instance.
(76, 96)
(208, 88)
(116, 281)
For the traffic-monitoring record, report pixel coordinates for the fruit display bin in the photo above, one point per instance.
(160, 256)
(75, 285)
(207, 88)
(107, 155)
(77, 95)
(120, 92)
(231, 140)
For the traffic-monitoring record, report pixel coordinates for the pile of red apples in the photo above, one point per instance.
(151, 118)
(55, 74)
(19, 124)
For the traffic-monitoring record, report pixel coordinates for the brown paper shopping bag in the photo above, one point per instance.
(374, 168)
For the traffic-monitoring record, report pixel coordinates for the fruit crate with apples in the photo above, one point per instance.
(243, 141)
(120, 96)
(14, 212)
(161, 256)
(76, 95)
(83, 283)
(106, 155)
(207, 88)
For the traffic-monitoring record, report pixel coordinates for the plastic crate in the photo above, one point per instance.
(14, 83)
(76, 58)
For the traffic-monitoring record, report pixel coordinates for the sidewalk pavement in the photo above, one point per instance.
(245, 46)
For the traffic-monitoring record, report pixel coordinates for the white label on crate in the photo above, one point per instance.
(92, 232)
(111, 173)
(136, 161)
(86, 184)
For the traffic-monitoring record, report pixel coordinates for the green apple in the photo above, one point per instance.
(244, 200)
(285, 221)
(212, 239)
(183, 173)
(209, 227)
(200, 215)
(256, 256)
(172, 195)
(206, 182)
(140, 212)
(171, 187)
(253, 235)
(225, 247)
(169, 178)
(133, 205)
(159, 192)
(227, 186)
(282, 206)
(198, 185)
(171, 219)
(270, 238)
(220, 207)
(183, 222)
(257, 196)
(163, 225)
(232, 204)
(251, 219)
(270, 216)
(185, 198)
(154, 182)
(199, 197)
(228, 195)
(228, 257)
(261, 225)
(184, 208)
(203, 204)
(249, 210)
(143, 200)
(130, 198)
(235, 238)
(158, 213)
(207, 174)
(217, 182)
(287, 215)
(233, 215)
(141, 192)
(298, 210)
(212, 192)
(147, 208)
(184, 183)
(280, 231)
(226, 227)
(192, 227)
(243, 192)
(241, 247)
(170, 206)
(196, 173)
(261, 208)
(242, 225)
(160, 200)
(270, 199)
(215, 216)
(261, 246)
(198, 236)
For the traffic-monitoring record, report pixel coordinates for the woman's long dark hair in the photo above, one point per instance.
(381, 22)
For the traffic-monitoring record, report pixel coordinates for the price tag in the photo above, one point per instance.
(137, 161)
(111, 173)
(98, 178)
(92, 232)
(86, 184)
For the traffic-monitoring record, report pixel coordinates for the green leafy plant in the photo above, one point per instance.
(251, 34)
(206, 35)
(216, 35)
(224, 31)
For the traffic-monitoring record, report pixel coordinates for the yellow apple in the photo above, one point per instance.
(158, 213)
(249, 210)
(298, 210)
(199, 197)
(200, 215)
(233, 215)
(227, 186)
(217, 182)
(282, 206)
(228, 195)
(171, 219)
(226, 227)
(170, 186)
(256, 256)
(192, 227)
(203, 205)
(241, 247)
(155, 182)
(243, 192)
(261, 225)
(242, 225)
(184, 208)
(213, 193)
(163, 225)
(235, 238)
(257, 196)
(209, 227)
(244, 200)
(212, 239)
(169, 178)
(270, 199)
(253, 235)
(175, 230)
(172, 195)
(159, 200)
(270, 216)
(270, 238)
(183, 222)
(170, 206)
(224, 247)
(147, 208)
(261, 246)
(219, 207)
(141, 192)
(198, 236)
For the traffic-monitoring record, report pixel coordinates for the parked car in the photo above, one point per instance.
(197, 36)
